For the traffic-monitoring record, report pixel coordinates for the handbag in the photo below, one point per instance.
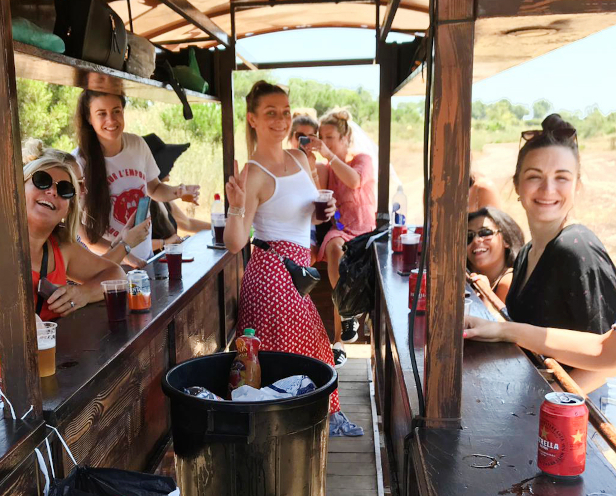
(304, 278)
(91, 31)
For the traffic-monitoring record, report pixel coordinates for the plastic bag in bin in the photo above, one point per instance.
(90, 481)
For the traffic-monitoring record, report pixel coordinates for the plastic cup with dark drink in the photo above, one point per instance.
(46, 340)
(116, 297)
(410, 247)
(173, 254)
(219, 221)
(320, 204)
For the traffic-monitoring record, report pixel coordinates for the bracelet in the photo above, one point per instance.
(329, 162)
(236, 211)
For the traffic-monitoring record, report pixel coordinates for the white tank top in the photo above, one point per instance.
(287, 215)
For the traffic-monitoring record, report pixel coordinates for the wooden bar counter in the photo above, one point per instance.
(502, 392)
(106, 398)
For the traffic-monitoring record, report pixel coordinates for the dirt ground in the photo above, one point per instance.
(595, 205)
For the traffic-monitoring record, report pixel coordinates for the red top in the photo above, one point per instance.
(58, 277)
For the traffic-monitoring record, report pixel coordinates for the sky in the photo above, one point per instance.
(575, 77)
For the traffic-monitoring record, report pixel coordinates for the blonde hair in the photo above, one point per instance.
(258, 91)
(38, 158)
(303, 119)
(339, 118)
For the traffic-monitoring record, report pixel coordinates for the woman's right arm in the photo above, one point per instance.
(237, 229)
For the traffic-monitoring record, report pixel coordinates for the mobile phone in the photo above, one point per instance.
(143, 209)
(304, 140)
(46, 288)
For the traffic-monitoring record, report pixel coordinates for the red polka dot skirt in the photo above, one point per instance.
(282, 319)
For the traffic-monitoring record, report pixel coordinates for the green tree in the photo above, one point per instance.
(541, 108)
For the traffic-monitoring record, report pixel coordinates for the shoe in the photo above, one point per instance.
(349, 330)
(340, 356)
(340, 425)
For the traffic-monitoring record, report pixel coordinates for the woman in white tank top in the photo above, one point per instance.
(275, 194)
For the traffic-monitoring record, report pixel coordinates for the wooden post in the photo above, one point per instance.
(387, 65)
(225, 80)
(448, 205)
(18, 357)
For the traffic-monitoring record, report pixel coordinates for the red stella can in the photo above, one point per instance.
(421, 303)
(562, 435)
(396, 242)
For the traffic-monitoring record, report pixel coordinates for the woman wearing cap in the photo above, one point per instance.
(119, 169)
(52, 209)
(564, 277)
(167, 217)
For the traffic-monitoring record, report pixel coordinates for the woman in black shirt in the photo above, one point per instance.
(563, 277)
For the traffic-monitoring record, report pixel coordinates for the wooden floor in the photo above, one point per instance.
(352, 464)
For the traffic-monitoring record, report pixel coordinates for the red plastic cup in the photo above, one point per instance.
(410, 247)
(320, 204)
(396, 242)
(116, 298)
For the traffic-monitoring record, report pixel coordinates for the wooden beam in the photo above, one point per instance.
(387, 64)
(240, 4)
(225, 85)
(194, 16)
(515, 8)
(18, 343)
(448, 205)
(308, 63)
(390, 14)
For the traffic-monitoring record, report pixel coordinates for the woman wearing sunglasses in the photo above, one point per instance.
(119, 169)
(494, 240)
(53, 219)
(563, 277)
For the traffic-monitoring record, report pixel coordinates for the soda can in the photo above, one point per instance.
(139, 292)
(563, 421)
(421, 303)
(396, 242)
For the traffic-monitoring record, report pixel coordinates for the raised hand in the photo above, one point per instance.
(236, 187)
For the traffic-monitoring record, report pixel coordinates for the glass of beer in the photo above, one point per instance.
(410, 247)
(46, 339)
(320, 204)
(116, 297)
(173, 254)
(219, 221)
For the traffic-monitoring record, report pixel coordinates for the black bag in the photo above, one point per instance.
(91, 31)
(354, 292)
(164, 73)
(304, 278)
(90, 481)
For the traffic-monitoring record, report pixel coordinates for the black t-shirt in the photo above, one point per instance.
(573, 285)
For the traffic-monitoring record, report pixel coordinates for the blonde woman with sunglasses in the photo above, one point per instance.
(563, 277)
(52, 206)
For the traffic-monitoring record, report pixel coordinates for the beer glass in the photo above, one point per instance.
(116, 297)
(320, 204)
(46, 340)
(173, 254)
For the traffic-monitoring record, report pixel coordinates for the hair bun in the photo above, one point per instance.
(555, 121)
(342, 114)
(32, 149)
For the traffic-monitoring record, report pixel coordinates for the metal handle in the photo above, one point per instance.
(223, 426)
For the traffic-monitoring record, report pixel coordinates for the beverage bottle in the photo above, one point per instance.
(245, 369)
(217, 213)
(398, 207)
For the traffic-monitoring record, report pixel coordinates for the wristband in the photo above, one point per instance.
(236, 211)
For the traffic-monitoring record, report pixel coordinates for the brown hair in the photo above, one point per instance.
(549, 137)
(513, 237)
(339, 118)
(302, 120)
(97, 202)
(253, 99)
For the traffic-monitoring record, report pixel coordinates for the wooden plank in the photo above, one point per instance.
(350, 445)
(361, 458)
(387, 69)
(349, 468)
(225, 85)
(513, 8)
(197, 18)
(18, 344)
(450, 152)
(306, 63)
(451, 10)
(390, 13)
(351, 492)
(352, 482)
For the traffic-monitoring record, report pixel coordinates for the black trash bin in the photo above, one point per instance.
(268, 448)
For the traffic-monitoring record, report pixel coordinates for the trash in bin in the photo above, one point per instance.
(245, 369)
(284, 388)
(201, 392)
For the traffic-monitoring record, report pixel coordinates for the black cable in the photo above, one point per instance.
(426, 227)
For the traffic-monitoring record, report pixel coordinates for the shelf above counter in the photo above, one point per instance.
(42, 65)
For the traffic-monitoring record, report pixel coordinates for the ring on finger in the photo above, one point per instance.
(72, 304)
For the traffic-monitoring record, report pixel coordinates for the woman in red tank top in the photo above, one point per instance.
(53, 218)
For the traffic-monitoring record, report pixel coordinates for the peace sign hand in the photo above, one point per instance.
(236, 187)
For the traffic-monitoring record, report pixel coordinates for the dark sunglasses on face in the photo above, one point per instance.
(43, 180)
(484, 233)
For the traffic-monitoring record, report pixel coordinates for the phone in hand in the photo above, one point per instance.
(303, 141)
(143, 209)
(46, 288)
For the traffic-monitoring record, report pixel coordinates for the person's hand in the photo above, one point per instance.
(174, 239)
(189, 193)
(134, 235)
(317, 145)
(67, 299)
(330, 210)
(481, 281)
(236, 187)
(483, 330)
(134, 261)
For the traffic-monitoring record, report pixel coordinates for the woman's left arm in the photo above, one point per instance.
(90, 270)
(163, 192)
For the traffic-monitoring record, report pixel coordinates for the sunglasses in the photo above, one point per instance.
(484, 233)
(559, 134)
(43, 180)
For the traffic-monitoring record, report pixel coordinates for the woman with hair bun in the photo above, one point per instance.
(352, 181)
(53, 213)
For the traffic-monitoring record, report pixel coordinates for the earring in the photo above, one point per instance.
(62, 225)
(518, 198)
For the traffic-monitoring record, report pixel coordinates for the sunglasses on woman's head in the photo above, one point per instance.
(484, 233)
(43, 180)
(559, 134)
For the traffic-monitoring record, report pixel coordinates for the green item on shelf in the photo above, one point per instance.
(189, 76)
(29, 33)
